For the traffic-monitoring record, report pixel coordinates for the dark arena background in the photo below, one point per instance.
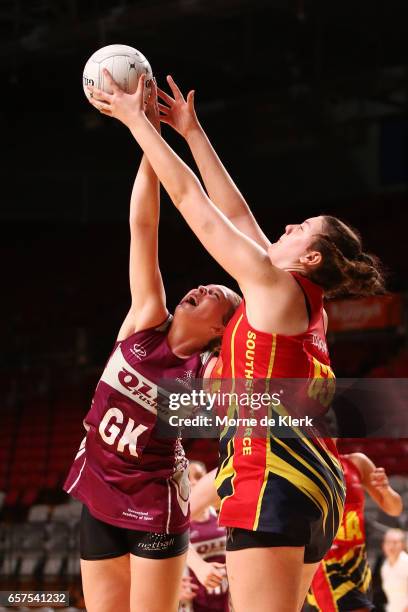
(305, 102)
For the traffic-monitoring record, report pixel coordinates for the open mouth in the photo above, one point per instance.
(191, 300)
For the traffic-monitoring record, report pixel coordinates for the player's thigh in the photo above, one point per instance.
(265, 579)
(155, 583)
(308, 571)
(106, 584)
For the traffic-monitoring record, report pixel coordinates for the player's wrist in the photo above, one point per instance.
(193, 131)
(202, 566)
(195, 563)
(154, 120)
(202, 571)
(137, 120)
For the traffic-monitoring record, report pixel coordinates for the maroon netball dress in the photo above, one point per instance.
(124, 472)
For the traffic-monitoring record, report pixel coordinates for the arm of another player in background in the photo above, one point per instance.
(188, 589)
(148, 296)
(181, 116)
(204, 494)
(239, 255)
(209, 573)
(375, 482)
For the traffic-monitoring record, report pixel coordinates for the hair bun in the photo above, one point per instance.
(346, 269)
(366, 258)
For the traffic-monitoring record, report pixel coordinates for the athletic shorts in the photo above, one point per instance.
(239, 539)
(353, 600)
(342, 583)
(288, 488)
(99, 540)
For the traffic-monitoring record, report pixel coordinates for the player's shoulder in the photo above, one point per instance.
(165, 325)
(157, 330)
(363, 464)
(129, 330)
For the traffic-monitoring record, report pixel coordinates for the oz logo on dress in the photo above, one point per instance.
(138, 351)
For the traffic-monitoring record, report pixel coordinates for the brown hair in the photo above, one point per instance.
(235, 302)
(215, 343)
(345, 268)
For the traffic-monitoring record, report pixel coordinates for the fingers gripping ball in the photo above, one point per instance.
(125, 64)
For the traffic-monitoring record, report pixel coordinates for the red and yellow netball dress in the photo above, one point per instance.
(343, 578)
(281, 485)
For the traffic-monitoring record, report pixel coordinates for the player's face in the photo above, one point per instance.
(206, 305)
(295, 242)
(195, 473)
(393, 544)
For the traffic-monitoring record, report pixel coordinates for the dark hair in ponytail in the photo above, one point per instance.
(345, 268)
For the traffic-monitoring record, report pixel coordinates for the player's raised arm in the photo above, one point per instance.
(239, 255)
(180, 114)
(148, 297)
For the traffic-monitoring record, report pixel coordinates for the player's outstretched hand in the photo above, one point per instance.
(177, 111)
(152, 107)
(211, 574)
(188, 590)
(125, 107)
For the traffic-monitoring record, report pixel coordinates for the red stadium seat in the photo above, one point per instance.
(12, 497)
(29, 497)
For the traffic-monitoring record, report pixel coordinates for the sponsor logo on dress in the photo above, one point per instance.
(186, 378)
(157, 541)
(319, 343)
(120, 375)
(138, 351)
(137, 515)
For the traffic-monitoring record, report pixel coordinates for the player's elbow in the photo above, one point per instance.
(186, 192)
(397, 510)
(181, 196)
(142, 223)
(394, 507)
(394, 512)
(178, 198)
